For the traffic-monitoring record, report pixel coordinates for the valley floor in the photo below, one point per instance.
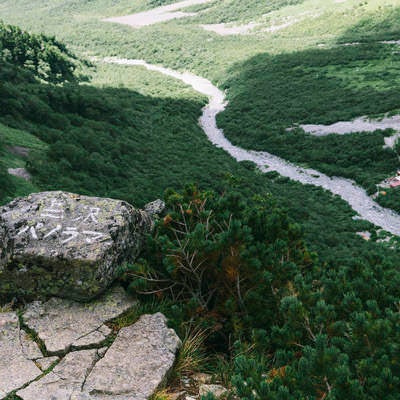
(348, 190)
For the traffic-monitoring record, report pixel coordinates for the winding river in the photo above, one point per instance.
(347, 189)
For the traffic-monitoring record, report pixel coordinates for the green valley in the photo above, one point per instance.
(262, 246)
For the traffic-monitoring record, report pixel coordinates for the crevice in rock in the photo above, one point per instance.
(90, 369)
(34, 336)
(107, 342)
(89, 333)
(13, 396)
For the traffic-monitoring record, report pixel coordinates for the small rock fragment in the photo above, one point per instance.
(19, 150)
(46, 362)
(217, 390)
(30, 349)
(101, 352)
(176, 396)
(201, 377)
(155, 208)
(20, 173)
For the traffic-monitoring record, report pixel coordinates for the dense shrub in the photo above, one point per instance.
(46, 57)
(339, 338)
(304, 329)
(228, 258)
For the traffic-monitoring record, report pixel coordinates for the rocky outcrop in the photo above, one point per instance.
(129, 365)
(67, 245)
(62, 325)
(137, 362)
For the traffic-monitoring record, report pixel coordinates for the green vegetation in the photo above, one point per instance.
(15, 144)
(47, 58)
(6, 185)
(296, 305)
(242, 11)
(183, 44)
(225, 260)
(391, 199)
(270, 94)
(302, 328)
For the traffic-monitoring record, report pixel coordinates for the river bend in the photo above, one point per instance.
(347, 189)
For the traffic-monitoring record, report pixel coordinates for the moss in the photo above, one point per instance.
(42, 278)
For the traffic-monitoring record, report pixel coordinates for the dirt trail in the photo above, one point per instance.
(156, 15)
(348, 190)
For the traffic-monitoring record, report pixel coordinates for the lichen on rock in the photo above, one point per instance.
(66, 245)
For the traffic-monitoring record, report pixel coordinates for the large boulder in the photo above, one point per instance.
(67, 245)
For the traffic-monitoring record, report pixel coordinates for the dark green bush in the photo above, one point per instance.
(228, 258)
(46, 57)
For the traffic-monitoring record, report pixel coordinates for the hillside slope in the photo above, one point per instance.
(298, 305)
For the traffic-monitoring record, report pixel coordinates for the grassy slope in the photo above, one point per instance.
(161, 103)
(269, 94)
(14, 137)
(181, 44)
(286, 78)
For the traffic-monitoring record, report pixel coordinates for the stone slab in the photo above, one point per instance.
(64, 324)
(137, 363)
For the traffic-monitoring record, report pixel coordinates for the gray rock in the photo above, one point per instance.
(45, 363)
(155, 208)
(66, 245)
(65, 380)
(217, 390)
(29, 347)
(137, 363)
(64, 324)
(201, 377)
(15, 368)
(20, 173)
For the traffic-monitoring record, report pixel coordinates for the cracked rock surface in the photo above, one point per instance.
(132, 367)
(66, 378)
(136, 363)
(65, 324)
(16, 366)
